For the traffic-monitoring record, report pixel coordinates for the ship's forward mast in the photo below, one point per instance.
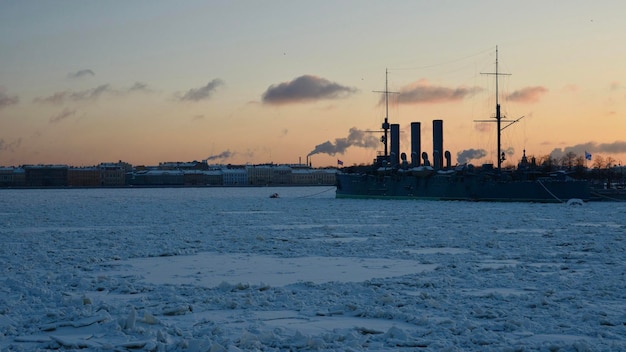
(385, 126)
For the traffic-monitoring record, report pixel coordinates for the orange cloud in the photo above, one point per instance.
(422, 92)
(615, 85)
(571, 88)
(528, 94)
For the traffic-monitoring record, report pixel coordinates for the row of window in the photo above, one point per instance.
(63, 176)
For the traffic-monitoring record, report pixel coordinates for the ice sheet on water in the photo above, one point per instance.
(228, 269)
(210, 269)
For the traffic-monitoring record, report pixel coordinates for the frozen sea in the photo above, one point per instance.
(230, 269)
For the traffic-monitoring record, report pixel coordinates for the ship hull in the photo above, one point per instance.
(457, 187)
(609, 195)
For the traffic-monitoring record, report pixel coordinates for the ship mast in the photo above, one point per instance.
(498, 117)
(385, 125)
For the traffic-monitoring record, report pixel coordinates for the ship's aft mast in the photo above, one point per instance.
(498, 117)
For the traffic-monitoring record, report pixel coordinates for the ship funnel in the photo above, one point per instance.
(437, 144)
(395, 144)
(416, 143)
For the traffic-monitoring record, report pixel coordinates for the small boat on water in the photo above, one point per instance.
(274, 195)
(392, 176)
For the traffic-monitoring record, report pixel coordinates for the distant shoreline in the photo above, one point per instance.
(160, 186)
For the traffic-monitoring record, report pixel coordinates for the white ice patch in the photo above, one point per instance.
(211, 269)
(442, 250)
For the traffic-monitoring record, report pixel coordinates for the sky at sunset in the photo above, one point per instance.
(84, 82)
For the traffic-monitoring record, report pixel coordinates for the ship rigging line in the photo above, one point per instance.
(511, 122)
(547, 190)
(443, 63)
(607, 197)
(314, 194)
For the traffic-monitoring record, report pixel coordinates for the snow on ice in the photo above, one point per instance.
(229, 269)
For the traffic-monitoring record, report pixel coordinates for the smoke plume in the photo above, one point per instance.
(470, 154)
(356, 138)
(616, 147)
(223, 155)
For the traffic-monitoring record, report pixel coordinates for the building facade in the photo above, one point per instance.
(167, 174)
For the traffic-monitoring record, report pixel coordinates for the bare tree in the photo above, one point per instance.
(568, 159)
(610, 162)
(598, 162)
(580, 161)
(542, 159)
(547, 162)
